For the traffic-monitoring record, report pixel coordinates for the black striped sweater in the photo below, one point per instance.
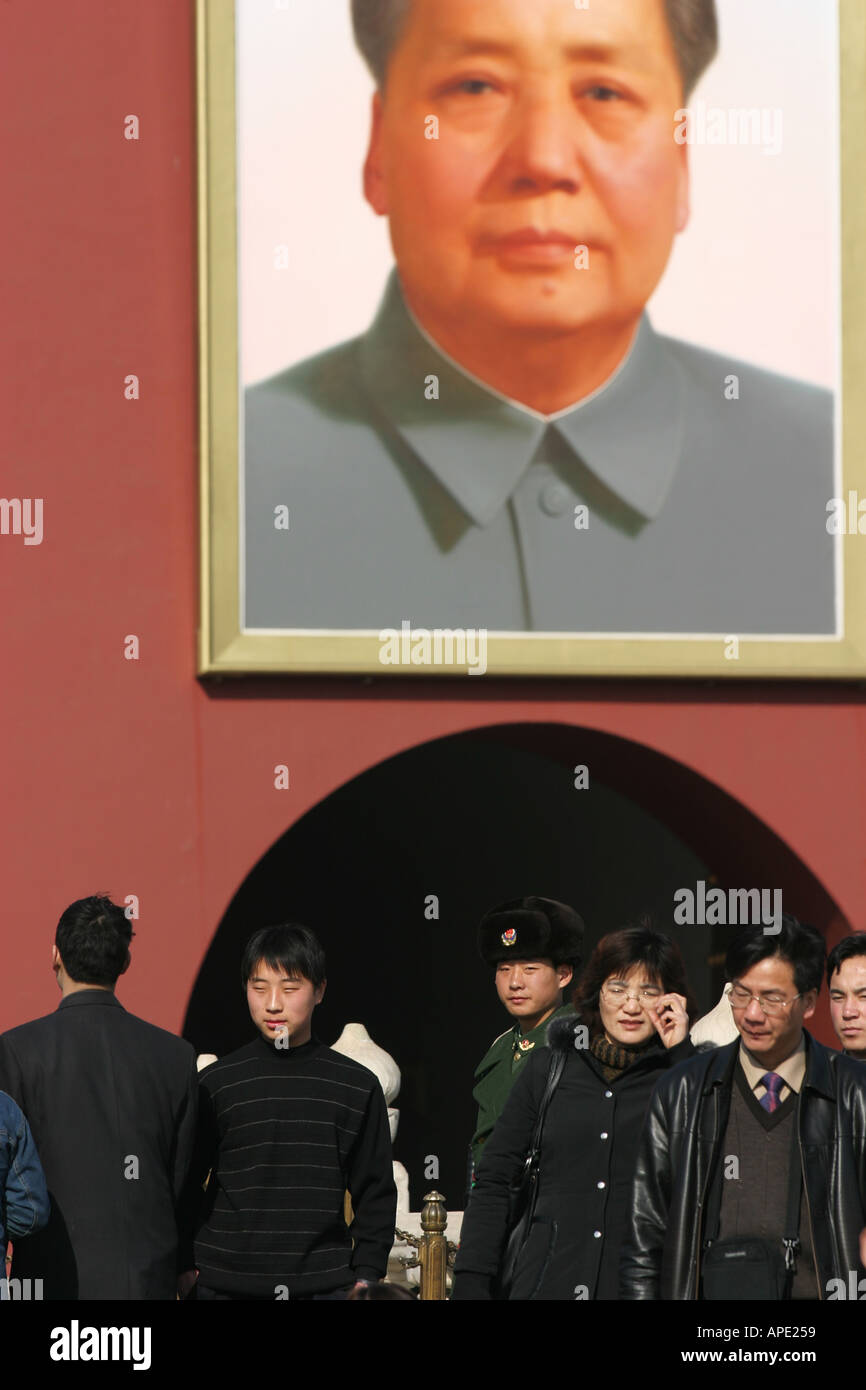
(285, 1133)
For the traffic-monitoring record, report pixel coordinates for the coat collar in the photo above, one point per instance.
(82, 997)
(819, 1067)
(478, 444)
(820, 1071)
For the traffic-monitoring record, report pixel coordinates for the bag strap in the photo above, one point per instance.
(791, 1240)
(714, 1209)
(557, 1062)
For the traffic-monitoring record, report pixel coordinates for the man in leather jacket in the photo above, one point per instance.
(724, 1104)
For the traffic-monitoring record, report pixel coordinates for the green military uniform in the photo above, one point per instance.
(495, 1074)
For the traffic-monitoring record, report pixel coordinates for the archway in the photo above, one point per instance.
(395, 868)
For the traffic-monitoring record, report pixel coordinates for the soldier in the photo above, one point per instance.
(534, 945)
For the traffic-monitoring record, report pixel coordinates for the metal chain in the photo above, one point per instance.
(412, 1261)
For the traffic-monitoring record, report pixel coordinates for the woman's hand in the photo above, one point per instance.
(669, 1016)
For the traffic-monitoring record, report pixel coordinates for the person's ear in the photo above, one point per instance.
(56, 962)
(683, 203)
(810, 1001)
(126, 964)
(564, 973)
(375, 190)
(320, 992)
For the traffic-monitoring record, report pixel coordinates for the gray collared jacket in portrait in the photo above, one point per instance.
(687, 495)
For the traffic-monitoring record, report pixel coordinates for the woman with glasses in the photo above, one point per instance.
(631, 1022)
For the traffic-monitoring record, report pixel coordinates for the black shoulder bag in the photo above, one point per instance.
(750, 1267)
(524, 1191)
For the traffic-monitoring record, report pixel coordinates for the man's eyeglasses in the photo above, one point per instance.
(617, 994)
(772, 1004)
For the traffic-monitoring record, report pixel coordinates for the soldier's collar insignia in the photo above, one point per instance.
(525, 1044)
(509, 937)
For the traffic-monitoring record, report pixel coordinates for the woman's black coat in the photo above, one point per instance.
(588, 1155)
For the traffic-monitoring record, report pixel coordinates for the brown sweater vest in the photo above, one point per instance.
(755, 1202)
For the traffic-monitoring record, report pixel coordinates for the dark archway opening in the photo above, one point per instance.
(472, 820)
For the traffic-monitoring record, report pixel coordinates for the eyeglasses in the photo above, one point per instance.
(617, 994)
(772, 1004)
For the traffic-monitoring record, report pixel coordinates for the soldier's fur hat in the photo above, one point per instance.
(531, 929)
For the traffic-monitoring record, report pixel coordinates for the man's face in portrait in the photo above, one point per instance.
(555, 131)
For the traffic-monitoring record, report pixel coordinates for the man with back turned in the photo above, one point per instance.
(111, 1102)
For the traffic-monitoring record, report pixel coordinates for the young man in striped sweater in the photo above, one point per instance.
(286, 1128)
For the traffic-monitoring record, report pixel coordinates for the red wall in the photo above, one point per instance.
(129, 776)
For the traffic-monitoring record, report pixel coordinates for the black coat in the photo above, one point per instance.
(111, 1101)
(684, 1130)
(588, 1153)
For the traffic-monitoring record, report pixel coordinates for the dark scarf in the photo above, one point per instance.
(613, 1058)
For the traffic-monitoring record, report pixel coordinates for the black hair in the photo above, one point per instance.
(288, 947)
(843, 950)
(616, 953)
(93, 937)
(800, 945)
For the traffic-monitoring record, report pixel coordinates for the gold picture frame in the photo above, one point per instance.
(225, 648)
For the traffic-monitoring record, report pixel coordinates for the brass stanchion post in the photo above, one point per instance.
(433, 1250)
